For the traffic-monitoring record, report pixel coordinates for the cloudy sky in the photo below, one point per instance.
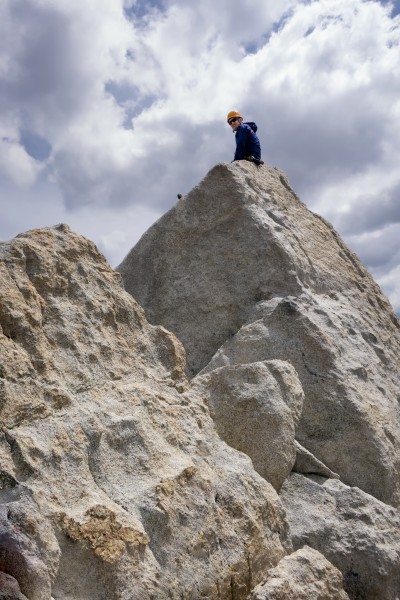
(109, 108)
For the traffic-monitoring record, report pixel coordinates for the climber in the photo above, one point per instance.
(247, 143)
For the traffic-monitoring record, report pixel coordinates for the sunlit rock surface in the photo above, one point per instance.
(114, 482)
(246, 276)
(128, 474)
(241, 271)
(304, 575)
(357, 533)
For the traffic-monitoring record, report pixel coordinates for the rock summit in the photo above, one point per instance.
(217, 418)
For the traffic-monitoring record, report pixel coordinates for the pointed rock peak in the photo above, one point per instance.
(242, 272)
(241, 236)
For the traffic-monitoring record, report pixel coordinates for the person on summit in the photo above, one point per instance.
(248, 145)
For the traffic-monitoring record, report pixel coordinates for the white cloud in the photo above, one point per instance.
(380, 252)
(42, 206)
(131, 97)
(16, 165)
(390, 283)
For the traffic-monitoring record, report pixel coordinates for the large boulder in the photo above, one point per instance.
(357, 533)
(114, 481)
(304, 575)
(243, 272)
(350, 406)
(256, 408)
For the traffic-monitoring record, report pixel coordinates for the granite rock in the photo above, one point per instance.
(255, 408)
(304, 575)
(114, 481)
(242, 272)
(357, 533)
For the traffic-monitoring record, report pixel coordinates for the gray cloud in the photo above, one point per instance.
(108, 111)
(381, 250)
(42, 78)
(373, 213)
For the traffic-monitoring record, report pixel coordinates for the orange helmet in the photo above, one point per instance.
(232, 114)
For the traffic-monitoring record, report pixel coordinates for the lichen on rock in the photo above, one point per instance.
(104, 533)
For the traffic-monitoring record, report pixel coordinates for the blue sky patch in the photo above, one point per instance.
(395, 6)
(280, 24)
(139, 9)
(254, 46)
(122, 92)
(35, 145)
(129, 98)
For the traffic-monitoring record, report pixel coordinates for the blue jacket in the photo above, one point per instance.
(247, 142)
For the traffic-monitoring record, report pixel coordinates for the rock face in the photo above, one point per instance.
(297, 353)
(305, 575)
(114, 481)
(242, 272)
(9, 588)
(255, 408)
(357, 533)
(120, 478)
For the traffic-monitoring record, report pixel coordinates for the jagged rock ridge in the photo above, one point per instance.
(242, 271)
(247, 277)
(114, 482)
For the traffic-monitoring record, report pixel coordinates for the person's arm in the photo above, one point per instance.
(241, 138)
